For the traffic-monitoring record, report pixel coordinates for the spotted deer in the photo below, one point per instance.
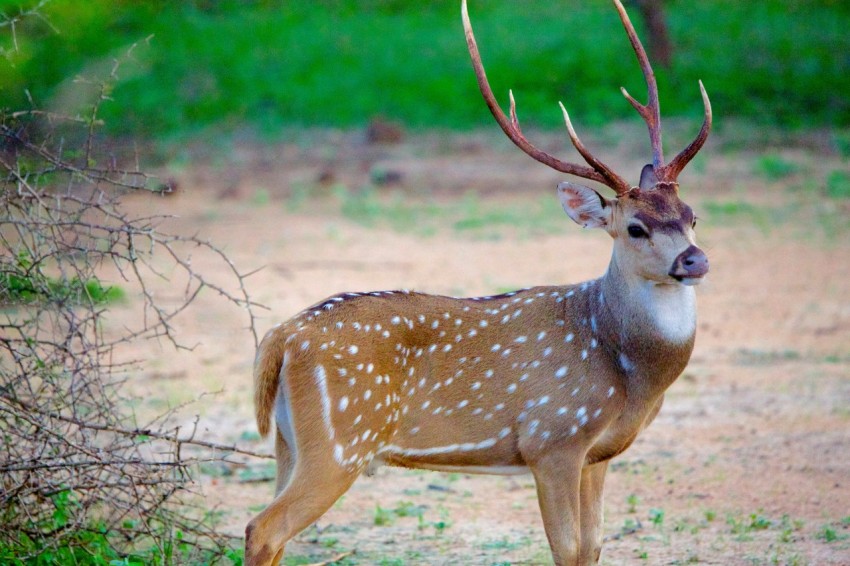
(553, 380)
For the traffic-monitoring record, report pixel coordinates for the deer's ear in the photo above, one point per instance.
(648, 178)
(584, 205)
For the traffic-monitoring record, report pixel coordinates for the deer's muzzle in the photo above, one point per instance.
(690, 266)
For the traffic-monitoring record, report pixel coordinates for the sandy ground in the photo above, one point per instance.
(747, 463)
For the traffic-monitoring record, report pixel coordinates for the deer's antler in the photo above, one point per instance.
(597, 171)
(672, 170)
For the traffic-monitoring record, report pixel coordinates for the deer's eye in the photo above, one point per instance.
(694, 223)
(636, 231)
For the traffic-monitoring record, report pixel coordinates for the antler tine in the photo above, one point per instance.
(650, 112)
(599, 172)
(620, 185)
(675, 167)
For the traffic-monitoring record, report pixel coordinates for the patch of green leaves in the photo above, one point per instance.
(95, 545)
(23, 282)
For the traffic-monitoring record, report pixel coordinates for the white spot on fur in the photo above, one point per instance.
(321, 379)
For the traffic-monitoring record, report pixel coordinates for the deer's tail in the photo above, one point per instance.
(267, 368)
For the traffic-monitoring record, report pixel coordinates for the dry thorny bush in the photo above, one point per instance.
(73, 456)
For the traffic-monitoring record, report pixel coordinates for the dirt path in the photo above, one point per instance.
(749, 460)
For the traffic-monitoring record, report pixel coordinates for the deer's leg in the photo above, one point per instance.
(285, 465)
(316, 482)
(592, 479)
(558, 479)
(285, 462)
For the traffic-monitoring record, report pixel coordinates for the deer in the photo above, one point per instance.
(552, 380)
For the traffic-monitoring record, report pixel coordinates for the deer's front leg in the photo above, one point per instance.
(592, 479)
(558, 480)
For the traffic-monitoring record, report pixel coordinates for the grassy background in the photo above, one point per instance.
(264, 65)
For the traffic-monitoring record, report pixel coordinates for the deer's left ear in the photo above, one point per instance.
(584, 205)
(648, 178)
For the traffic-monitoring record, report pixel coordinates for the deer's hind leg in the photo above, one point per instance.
(285, 463)
(315, 482)
(311, 475)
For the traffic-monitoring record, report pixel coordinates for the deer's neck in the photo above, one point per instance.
(649, 326)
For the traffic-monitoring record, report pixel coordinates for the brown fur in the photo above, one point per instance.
(552, 380)
(266, 376)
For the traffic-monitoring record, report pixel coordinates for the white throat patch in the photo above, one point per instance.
(672, 309)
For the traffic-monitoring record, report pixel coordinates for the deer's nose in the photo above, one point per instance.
(690, 264)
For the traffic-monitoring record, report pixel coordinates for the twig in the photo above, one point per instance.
(333, 560)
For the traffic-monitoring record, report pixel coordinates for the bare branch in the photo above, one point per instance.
(69, 443)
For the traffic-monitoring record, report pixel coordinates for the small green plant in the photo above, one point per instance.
(838, 185)
(759, 523)
(385, 516)
(382, 517)
(441, 526)
(407, 509)
(684, 525)
(743, 528)
(632, 501)
(444, 522)
(656, 516)
(775, 167)
(827, 534)
(788, 528)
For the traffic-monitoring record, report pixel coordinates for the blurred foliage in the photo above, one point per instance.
(774, 167)
(269, 64)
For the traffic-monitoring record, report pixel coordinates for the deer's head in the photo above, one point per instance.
(653, 229)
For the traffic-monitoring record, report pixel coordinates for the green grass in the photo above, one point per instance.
(775, 167)
(838, 184)
(340, 62)
(468, 215)
(743, 527)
